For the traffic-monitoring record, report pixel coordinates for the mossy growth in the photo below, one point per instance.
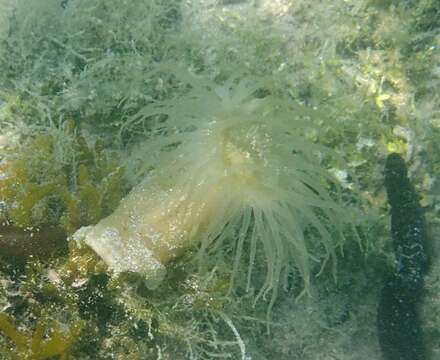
(46, 341)
(47, 57)
(81, 263)
(190, 317)
(57, 179)
(189, 314)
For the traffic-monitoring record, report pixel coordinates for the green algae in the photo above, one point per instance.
(47, 340)
(369, 72)
(41, 187)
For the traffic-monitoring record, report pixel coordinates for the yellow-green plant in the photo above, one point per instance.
(43, 343)
(57, 179)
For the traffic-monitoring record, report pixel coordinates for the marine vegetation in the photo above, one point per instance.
(46, 341)
(53, 183)
(124, 124)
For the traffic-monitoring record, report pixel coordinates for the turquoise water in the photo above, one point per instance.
(205, 179)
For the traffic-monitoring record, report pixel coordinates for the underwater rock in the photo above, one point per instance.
(400, 334)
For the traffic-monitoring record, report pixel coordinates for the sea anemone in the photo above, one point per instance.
(232, 173)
